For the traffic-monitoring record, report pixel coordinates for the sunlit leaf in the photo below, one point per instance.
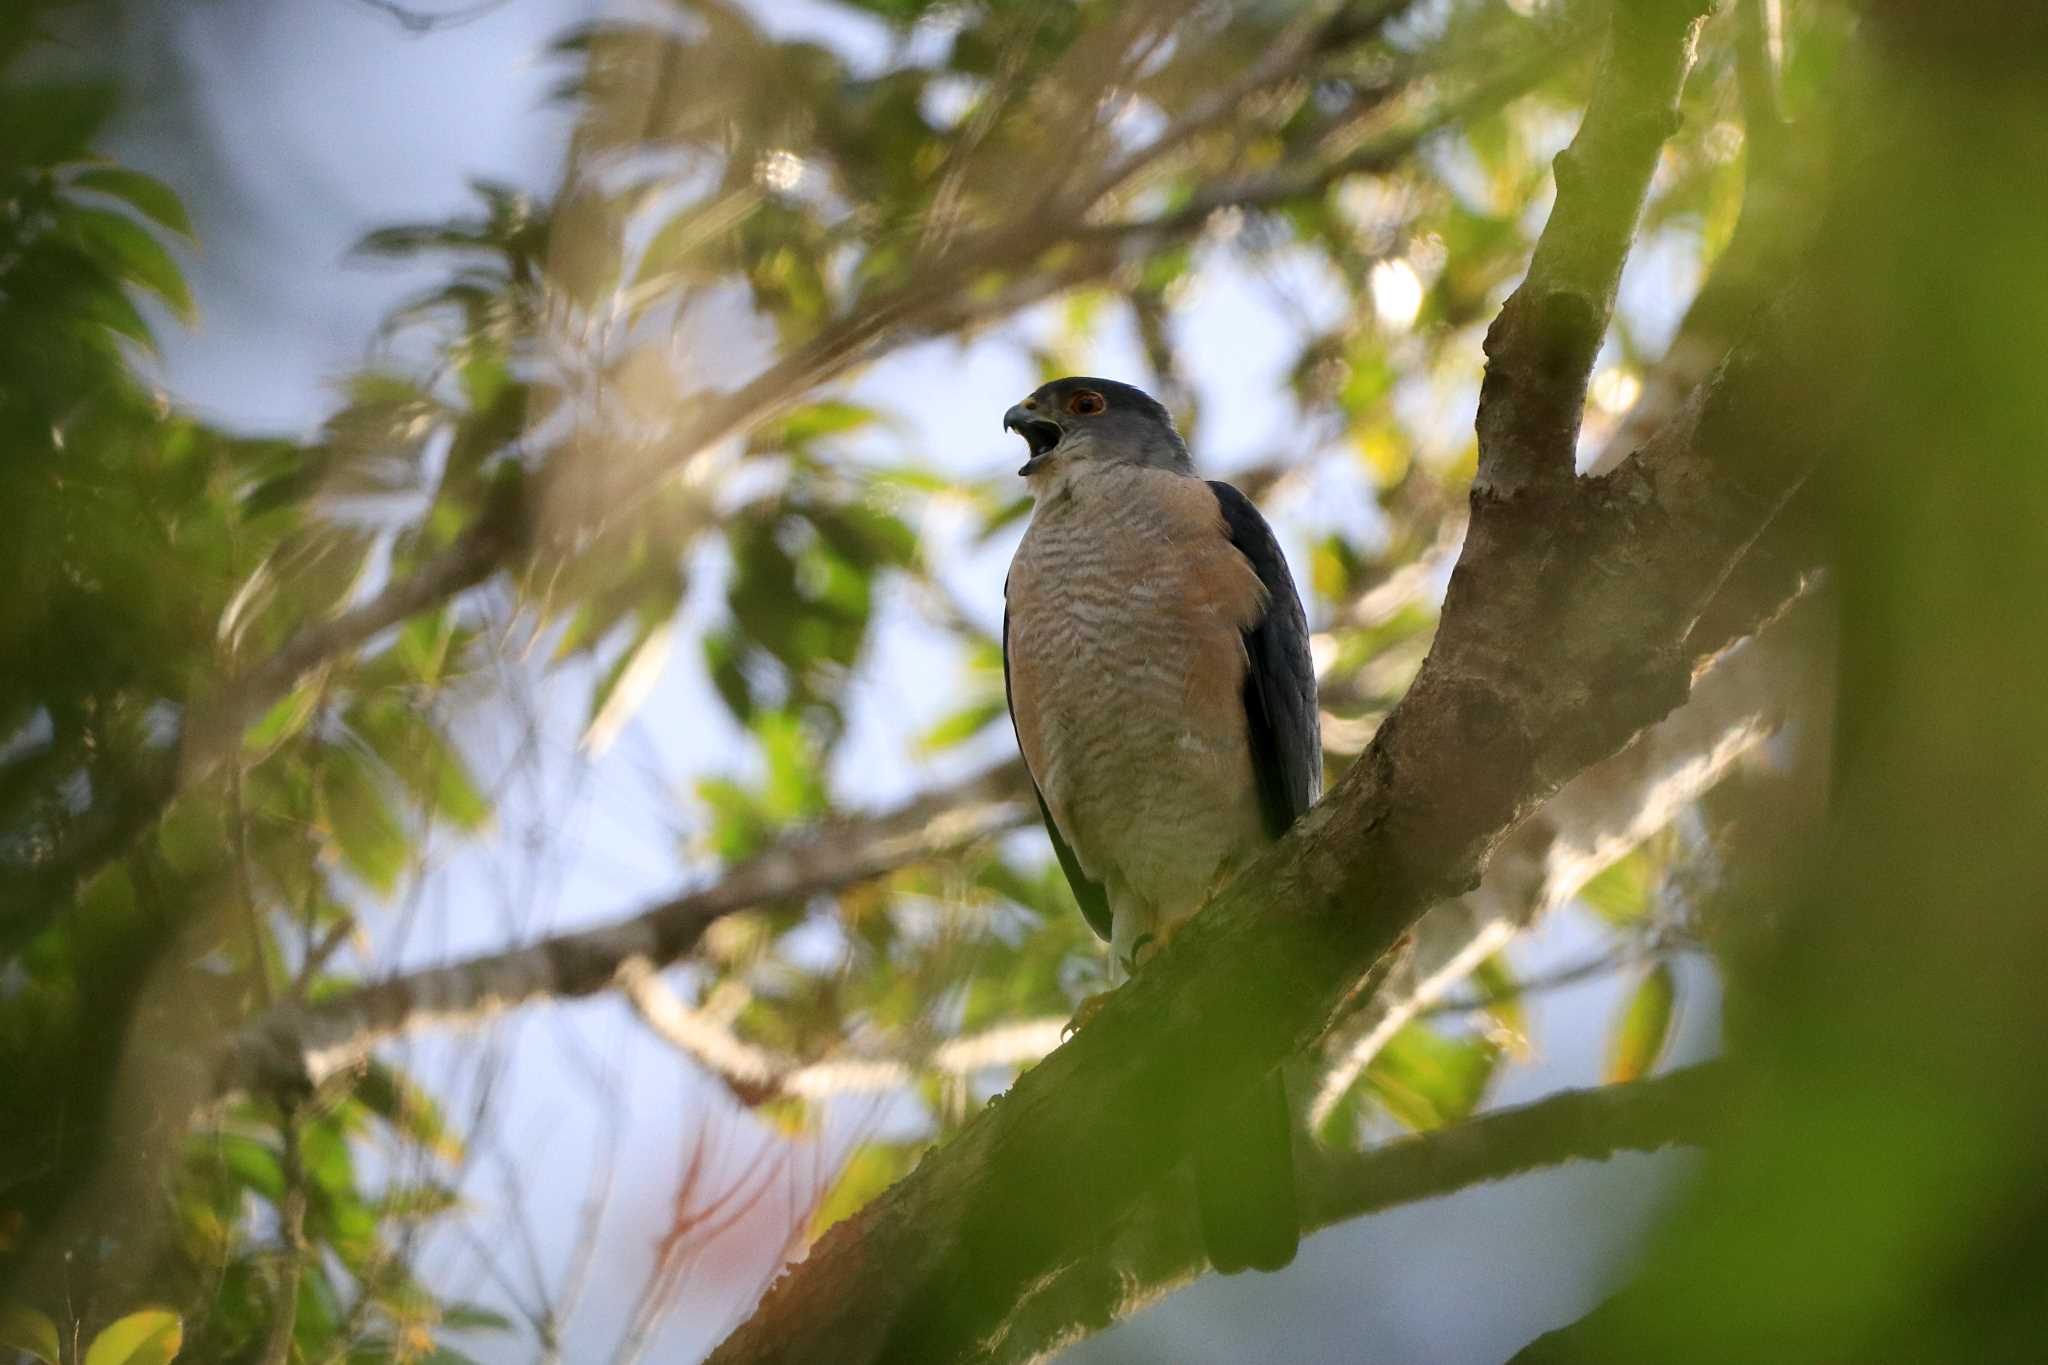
(151, 1336)
(1426, 1079)
(1621, 894)
(1644, 1028)
(285, 718)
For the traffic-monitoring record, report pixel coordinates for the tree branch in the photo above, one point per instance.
(1540, 349)
(756, 1073)
(294, 1047)
(1158, 1247)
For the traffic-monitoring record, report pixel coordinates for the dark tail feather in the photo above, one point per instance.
(1244, 1183)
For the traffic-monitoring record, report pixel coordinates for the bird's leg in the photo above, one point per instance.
(1142, 950)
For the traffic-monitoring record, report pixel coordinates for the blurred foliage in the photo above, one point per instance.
(742, 204)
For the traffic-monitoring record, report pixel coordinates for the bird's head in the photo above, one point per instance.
(1078, 422)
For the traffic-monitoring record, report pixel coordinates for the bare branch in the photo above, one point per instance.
(300, 1045)
(758, 1073)
(1376, 155)
(418, 21)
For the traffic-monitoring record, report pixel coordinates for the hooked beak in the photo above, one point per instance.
(1040, 432)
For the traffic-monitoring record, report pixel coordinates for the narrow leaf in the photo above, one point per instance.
(1645, 1026)
(626, 685)
(137, 256)
(146, 194)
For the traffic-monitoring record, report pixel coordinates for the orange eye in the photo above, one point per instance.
(1086, 403)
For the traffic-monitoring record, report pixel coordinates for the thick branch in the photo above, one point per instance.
(296, 1046)
(1158, 1247)
(1540, 349)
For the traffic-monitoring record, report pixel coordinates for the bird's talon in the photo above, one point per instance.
(1084, 1012)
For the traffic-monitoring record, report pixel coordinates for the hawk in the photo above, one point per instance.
(1156, 660)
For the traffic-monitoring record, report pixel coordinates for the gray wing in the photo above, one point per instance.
(1280, 684)
(1093, 900)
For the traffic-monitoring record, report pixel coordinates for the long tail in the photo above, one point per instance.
(1244, 1183)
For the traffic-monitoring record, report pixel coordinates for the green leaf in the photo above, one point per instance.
(151, 1336)
(111, 308)
(285, 718)
(48, 121)
(1621, 894)
(1645, 1026)
(394, 1098)
(135, 255)
(804, 425)
(146, 194)
(25, 1330)
(255, 1164)
(431, 767)
(370, 839)
(473, 1317)
(960, 726)
(1426, 1079)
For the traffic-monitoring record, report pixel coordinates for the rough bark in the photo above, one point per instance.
(1565, 633)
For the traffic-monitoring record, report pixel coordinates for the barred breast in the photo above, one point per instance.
(1127, 668)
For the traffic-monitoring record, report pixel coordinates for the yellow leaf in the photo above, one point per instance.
(150, 1336)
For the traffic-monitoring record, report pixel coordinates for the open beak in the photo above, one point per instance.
(1040, 432)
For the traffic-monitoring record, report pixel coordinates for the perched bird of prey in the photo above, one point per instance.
(1157, 663)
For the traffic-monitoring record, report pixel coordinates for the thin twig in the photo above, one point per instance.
(292, 1232)
(757, 1073)
(418, 21)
